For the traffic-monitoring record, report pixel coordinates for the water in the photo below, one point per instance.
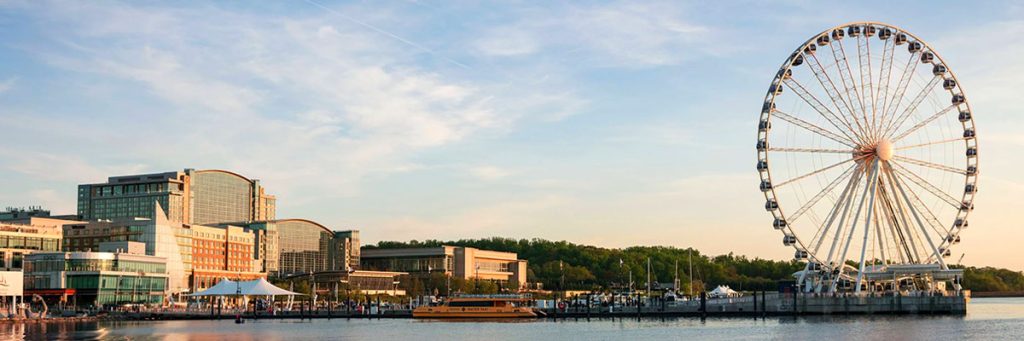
(987, 319)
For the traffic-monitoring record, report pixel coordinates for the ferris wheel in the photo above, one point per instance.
(868, 158)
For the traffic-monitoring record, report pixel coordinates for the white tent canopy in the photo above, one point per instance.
(259, 287)
(723, 291)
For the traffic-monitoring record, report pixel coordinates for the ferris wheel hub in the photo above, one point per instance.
(884, 150)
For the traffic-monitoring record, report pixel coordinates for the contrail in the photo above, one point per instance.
(389, 34)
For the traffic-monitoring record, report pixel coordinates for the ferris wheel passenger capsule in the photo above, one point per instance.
(764, 125)
(958, 99)
(837, 34)
(972, 170)
(966, 206)
(810, 49)
(762, 165)
(766, 185)
(965, 116)
(971, 188)
(869, 30)
(939, 70)
(944, 252)
(972, 152)
(969, 133)
(800, 254)
(771, 205)
(927, 57)
(901, 38)
(788, 240)
(823, 40)
(953, 239)
(884, 34)
(853, 31)
(960, 223)
(779, 223)
(775, 89)
(762, 144)
(798, 60)
(948, 83)
(914, 47)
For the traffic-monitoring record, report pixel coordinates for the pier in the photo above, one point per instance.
(757, 304)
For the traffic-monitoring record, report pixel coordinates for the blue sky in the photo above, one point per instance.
(607, 123)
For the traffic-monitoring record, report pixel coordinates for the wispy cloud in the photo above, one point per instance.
(7, 84)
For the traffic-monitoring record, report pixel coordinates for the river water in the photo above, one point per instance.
(987, 319)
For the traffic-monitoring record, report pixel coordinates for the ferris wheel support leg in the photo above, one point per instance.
(914, 213)
(849, 238)
(867, 222)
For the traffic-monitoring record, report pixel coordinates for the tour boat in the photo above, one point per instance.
(494, 306)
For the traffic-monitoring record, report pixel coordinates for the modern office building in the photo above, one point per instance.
(29, 235)
(202, 197)
(460, 262)
(98, 278)
(345, 250)
(289, 247)
(197, 256)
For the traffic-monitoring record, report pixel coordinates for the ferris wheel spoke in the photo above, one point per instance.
(923, 123)
(846, 201)
(899, 226)
(866, 90)
(894, 101)
(902, 226)
(921, 182)
(817, 171)
(813, 128)
(887, 210)
(917, 216)
(955, 139)
(837, 97)
(824, 111)
(895, 125)
(853, 98)
(867, 223)
(884, 74)
(930, 165)
(929, 216)
(821, 194)
(810, 150)
(856, 218)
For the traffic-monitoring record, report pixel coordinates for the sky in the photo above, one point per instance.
(603, 123)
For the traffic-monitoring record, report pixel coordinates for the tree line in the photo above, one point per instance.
(561, 265)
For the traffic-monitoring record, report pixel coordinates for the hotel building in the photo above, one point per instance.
(202, 197)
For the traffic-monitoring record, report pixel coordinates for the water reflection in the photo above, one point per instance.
(986, 319)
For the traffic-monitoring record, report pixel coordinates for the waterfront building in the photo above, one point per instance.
(120, 273)
(358, 281)
(289, 247)
(456, 261)
(28, 235)
(197, 256)
(191, 196)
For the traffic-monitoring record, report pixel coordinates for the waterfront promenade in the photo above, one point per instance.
(758, 304)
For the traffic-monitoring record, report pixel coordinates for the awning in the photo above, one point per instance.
(259, 287)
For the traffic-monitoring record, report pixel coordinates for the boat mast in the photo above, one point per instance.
(690, 251)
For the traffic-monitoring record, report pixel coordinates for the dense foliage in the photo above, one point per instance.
(591, 267)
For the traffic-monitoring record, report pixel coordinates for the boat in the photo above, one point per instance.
(479, 306)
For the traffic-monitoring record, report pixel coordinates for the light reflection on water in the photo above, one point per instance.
(987, 318)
